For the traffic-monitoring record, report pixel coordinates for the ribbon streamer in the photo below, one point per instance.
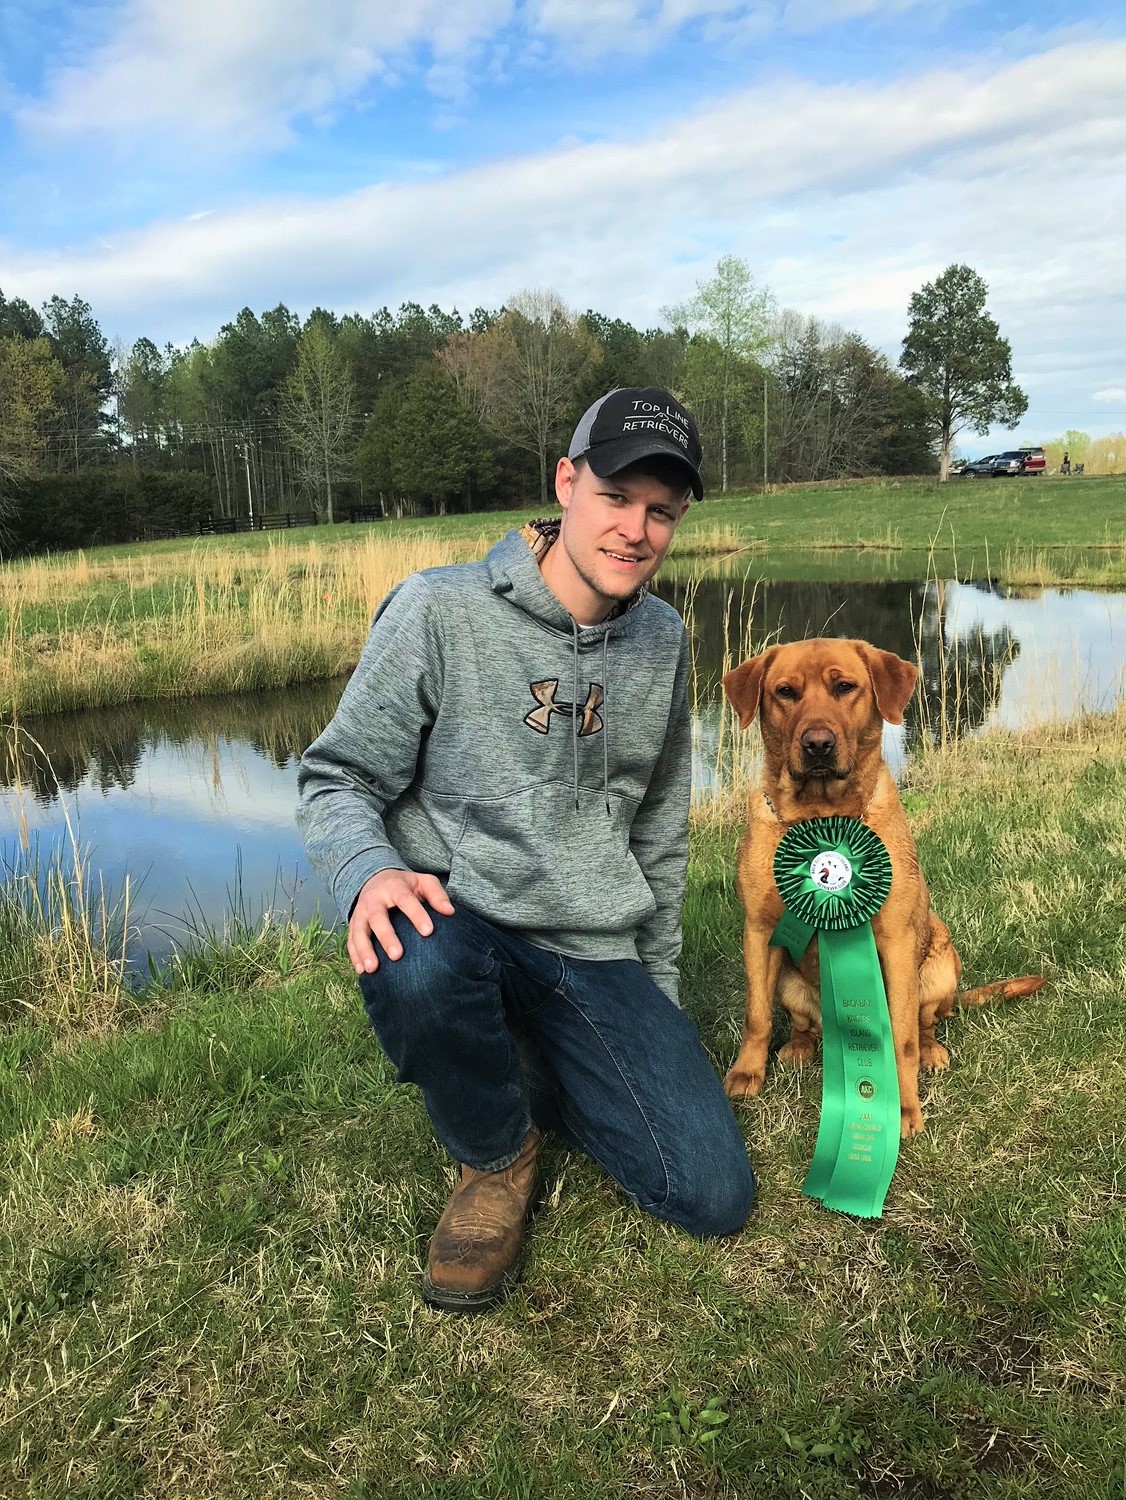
(834, 875)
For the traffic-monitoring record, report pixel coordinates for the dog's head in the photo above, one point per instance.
(821, 704)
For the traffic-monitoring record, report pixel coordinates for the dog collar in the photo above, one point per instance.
(778, 819)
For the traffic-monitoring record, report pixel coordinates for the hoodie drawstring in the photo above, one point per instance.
(605, 722)
(576, 716)
(575, 709)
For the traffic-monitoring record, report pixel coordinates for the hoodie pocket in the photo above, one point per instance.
(530, 860)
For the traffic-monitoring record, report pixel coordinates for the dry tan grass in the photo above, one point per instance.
(718, 545)
(1032, 570)
(204, 619)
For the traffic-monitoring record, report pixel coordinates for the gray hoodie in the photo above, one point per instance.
(541, 769)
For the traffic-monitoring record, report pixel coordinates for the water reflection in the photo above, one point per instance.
(195, 799)
(104, 749)
(962, 671)
(191, 801)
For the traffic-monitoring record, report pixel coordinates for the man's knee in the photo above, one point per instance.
(716, 1201)
(708, 1192)
(430, 979)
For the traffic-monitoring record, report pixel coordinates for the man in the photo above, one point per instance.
(500, 808)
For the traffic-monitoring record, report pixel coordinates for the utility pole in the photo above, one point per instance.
(249, 486)
(765, 388)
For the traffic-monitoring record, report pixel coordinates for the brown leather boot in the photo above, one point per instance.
(475, 1253)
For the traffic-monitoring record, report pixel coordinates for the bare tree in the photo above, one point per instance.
(317, 414)
(830, 399)
(469, 359)
(520, 374)
(10, 477)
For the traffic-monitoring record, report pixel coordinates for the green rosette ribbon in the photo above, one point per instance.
(833, 875)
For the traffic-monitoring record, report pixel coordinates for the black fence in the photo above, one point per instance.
(230, 525)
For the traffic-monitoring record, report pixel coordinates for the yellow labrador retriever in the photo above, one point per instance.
(821, 705)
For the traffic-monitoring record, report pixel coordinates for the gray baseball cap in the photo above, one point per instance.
(634, 422)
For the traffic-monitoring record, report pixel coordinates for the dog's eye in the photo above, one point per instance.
(784, 690)
(843, 688)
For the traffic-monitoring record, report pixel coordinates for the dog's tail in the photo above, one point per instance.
(1001, 989)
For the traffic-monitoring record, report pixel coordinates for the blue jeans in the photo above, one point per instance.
(498, 1033)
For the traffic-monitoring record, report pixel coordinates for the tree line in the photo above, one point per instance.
(422, 411)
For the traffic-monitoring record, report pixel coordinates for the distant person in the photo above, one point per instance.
(1065, 467)
(500, 808)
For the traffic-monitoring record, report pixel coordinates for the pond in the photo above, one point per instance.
(193, 800)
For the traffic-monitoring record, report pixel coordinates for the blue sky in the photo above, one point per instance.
(172, 162)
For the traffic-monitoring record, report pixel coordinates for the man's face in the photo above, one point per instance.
(614, 536)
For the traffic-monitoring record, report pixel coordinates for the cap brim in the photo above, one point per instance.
(609, 458)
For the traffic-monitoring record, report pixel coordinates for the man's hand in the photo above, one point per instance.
(403, 890)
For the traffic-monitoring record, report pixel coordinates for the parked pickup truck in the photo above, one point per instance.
(1019, 461)
(1034, 461)
(1004, 465)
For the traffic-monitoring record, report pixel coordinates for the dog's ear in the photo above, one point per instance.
(893, 681)
(743, 686)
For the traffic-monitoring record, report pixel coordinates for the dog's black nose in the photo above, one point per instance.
(817, 746)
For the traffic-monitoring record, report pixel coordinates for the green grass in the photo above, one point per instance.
(914, 514)
(216, 1202)
(976, 521)
(1023, 529)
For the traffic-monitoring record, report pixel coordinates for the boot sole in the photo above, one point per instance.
(469, 1302)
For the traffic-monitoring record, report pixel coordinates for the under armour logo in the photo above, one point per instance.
(587, 713)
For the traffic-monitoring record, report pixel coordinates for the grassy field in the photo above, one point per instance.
(180, 619)
(979, 521)
(915, 515)
(215, 1204)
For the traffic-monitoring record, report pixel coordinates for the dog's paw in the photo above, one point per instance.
(741, 1083)
(912, 1121)
(934, 1057)
(798, 1050)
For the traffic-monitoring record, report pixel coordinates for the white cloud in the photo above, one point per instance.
(1114, 395)
(239, 73)
(843, 198)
